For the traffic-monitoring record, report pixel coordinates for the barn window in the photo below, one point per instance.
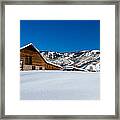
(28, 60)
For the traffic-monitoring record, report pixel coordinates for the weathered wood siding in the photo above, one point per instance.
(37, 60)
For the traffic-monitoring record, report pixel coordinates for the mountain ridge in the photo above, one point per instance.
(84, 60)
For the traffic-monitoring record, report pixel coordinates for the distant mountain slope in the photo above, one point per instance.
(87, 60)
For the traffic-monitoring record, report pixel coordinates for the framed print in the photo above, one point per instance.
(60, 59)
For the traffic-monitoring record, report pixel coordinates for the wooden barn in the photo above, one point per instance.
(31, 59)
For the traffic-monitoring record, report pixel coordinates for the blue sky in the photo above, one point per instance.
(61, 35)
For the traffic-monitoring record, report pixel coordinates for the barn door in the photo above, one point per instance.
(33, 67)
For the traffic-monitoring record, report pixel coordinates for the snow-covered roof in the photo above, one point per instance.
(29, 45)
(39, 53)
(26, 46)
(53, 64)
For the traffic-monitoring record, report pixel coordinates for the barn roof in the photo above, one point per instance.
(30, 44)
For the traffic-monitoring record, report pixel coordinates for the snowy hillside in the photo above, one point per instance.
(87, 60)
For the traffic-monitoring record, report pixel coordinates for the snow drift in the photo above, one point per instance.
(59, 85)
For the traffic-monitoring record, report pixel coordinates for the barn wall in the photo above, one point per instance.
(27, 67)
(37, 61)
(52, 67)
(36, 58)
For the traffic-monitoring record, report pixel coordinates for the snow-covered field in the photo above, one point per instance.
(59, 85)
